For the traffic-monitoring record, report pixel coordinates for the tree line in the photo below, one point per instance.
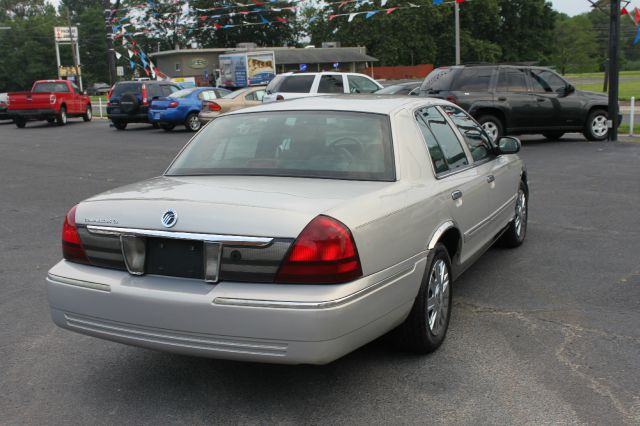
(491, 31)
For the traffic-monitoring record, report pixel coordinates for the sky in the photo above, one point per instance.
(571, 7)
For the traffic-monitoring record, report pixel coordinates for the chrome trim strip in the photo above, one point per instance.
(489, 218)
(209, 238)
(78, 283)
(278, 304)
(438, 233)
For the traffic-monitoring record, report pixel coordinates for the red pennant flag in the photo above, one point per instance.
(624, 11)
(636, 17)
(332, 17)
(343, 4)
(281, 20)
(146, 71)
(459, 1)
(217, 26)
(258, 3)
(203, 18)
(246, 12)
(391, 9)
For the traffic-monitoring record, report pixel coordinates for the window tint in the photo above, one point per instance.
(331, 84)
(446, 138)
(546, 81)
(511, 80)
(359, 84)
(297, 84)
(154, 91)
(51, 87)
(122, 88)
(473, 80)
(437, 156)
(255, 96)
(221, 93)
(474, 136)
(327, 144)
(167, 90)
(439, 79)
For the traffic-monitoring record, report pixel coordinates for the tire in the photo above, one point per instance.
(61, 118)
(553, 136)
(517, 231)
(595, 128)
(51, 120)
(155, 125)
(120, 125)
(426, 326)
(492, 126)
(192, 123)
(88, 115)
(167, 127)
(20, 122)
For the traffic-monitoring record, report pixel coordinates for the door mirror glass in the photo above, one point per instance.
(569, 89)
(508, 145)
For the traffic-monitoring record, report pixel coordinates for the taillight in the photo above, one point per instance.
(173, 104)
(452, 98)
(323, 253)
(109, 93)
(145, 100)
(52, 99)
(71, 245)
(212, 106)
(279, 98)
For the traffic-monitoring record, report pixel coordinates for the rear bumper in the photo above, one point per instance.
(129, 118)
(166, 116)
(289, 324)
(208, 116)
(34, 114)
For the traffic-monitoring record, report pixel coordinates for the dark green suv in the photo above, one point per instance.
(509, 99)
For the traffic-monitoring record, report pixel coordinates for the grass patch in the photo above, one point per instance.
(600, 75)
(627, 89)
(95, 99)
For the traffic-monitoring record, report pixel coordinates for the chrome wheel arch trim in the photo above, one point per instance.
(439, 232)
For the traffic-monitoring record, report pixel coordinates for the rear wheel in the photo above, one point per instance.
(20, 122)
(193, 122)
(596, 128)
(553, 136)
(426, 326)
(61, 119)
(492, 126)
(88, 115)
(167, 127)
(120, 125)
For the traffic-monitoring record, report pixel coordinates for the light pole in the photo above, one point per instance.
(456, 9)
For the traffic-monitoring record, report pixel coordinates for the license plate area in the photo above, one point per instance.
(175, 258)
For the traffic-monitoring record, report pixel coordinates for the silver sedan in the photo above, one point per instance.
(294, 232)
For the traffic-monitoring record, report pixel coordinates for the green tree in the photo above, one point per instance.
(576, 45)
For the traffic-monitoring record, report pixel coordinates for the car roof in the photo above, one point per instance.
(377, 104)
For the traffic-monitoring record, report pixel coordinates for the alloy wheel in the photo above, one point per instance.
(520, 221)
(438, 295)
(194, 123)
(491, 129)
(599, 126)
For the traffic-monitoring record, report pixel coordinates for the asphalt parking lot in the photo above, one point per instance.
(547, 333)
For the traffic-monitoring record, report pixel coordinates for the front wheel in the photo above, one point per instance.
(20, 122)
(492, 126)
(517, 230)
(596, 127)
(193, 122)
(61, 119)
(426, 326)
(88, 115)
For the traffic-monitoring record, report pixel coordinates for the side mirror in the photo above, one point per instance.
(569, 89)
(508, 145)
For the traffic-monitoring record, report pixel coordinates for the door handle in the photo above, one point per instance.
(456, 194)
(490, 178)
(541, 99)
(502, 99)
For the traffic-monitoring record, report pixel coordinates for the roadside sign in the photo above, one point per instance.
(62, 34)
(119, 71)
(68, 71)
(303, 67)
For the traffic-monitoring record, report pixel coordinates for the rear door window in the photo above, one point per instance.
(473, 80)
(331, 83)
(450, 152)
(511, 80)
(297, 84)
(475, 138)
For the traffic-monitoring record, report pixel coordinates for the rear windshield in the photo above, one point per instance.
(50, 87)
(237, 93)
(298, 83)
(313, 144)
(396, 89)
(183, 93)
(122, 88)
(439, 79)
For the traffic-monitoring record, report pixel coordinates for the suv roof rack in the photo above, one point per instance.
(520, 64)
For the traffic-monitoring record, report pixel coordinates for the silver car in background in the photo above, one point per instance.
(294, 232)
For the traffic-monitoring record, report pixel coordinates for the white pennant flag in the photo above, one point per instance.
(351, 16)
(118, 55)
(130, 53)
(382, 3)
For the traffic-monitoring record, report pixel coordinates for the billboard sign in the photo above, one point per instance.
(62, 34)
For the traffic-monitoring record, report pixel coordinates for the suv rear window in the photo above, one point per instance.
(438, 80)
(296, 84)
(306, 144)
(122, 88)
(473, 80)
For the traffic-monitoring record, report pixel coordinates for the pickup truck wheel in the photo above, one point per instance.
(51, 120)
(553, 136)
(20, 122)
(596, 126)
(426, 326)
(193, 122)
(61, 119)
(120, 125)
(517, 230)
(88, 115)
(167, 127)
(492, 126)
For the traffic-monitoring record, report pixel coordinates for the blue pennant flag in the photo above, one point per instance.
(370, 14)
(132, 65)
(263, 19)
(437, 2)
(637, 39)
(313, 19)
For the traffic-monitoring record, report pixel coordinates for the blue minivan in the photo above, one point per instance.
(182, 107)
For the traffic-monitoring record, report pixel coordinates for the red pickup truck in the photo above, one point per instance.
(51, 100)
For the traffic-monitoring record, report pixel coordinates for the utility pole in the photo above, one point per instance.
(456, 8)
(111, 53)
(74, 54)
(614, 39)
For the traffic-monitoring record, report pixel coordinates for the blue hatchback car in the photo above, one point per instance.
(182, 107)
